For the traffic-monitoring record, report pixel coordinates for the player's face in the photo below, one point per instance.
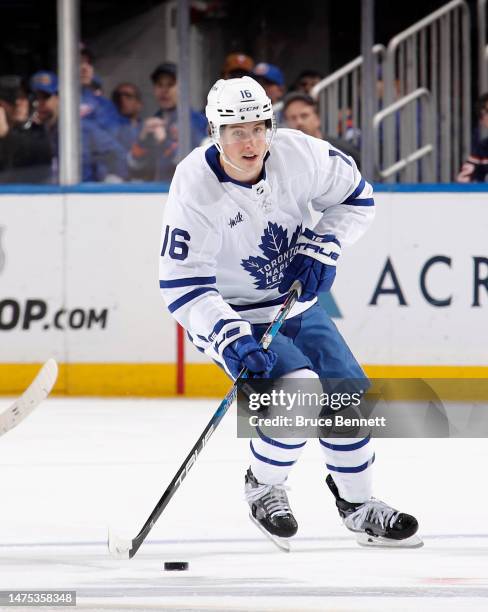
(244, 145)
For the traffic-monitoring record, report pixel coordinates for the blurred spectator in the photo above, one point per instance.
(22, 105)
(237, 65)
(103, 158)
(128, 102)
(93, 105)
(25, 152)
(300, 112)
(306, 80)
(44, 86)
(475, 168)
(96, 85)
(271, 78)
(380, 87)
(154, 156)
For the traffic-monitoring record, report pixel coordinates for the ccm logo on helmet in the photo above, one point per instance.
(247, 109)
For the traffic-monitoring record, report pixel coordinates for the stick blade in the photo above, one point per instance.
(118, 547)
(40, 387)
(46, 379)
(35, 393)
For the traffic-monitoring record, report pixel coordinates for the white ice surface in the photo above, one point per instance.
(74, 467)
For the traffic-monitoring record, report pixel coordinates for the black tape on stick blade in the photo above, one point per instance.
(176, 566)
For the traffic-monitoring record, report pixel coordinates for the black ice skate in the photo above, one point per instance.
(270, 510)
(375, 523)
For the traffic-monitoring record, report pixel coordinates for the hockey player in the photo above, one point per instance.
(237, 233)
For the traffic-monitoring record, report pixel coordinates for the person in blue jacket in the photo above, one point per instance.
(93, 104)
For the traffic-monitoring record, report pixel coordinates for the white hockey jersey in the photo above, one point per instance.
(226, 244)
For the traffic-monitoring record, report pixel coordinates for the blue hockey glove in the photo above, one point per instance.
(314, 264)
(246, 352)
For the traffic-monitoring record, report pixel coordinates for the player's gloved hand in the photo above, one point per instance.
(314, 264)
(246, 352)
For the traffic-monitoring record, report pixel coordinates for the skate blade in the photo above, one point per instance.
(364, 539)
(280, 543)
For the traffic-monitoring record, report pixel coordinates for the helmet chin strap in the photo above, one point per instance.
(227, 161)
(220, 148)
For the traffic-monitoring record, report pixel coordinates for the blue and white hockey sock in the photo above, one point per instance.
(349, 461)
(272, 459)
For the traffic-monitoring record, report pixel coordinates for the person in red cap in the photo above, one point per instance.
(237, 65)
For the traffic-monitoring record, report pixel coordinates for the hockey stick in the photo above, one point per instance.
(126, 549)
(35, 393)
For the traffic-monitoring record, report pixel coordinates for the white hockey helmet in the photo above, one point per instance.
(239, 100)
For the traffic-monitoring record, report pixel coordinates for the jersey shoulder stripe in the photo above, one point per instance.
(336, 153)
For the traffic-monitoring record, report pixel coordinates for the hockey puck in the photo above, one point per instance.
(175, 566)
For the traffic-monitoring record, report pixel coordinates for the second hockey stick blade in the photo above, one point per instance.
(35, 393)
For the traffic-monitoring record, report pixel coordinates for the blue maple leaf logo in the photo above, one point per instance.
(278, 251)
